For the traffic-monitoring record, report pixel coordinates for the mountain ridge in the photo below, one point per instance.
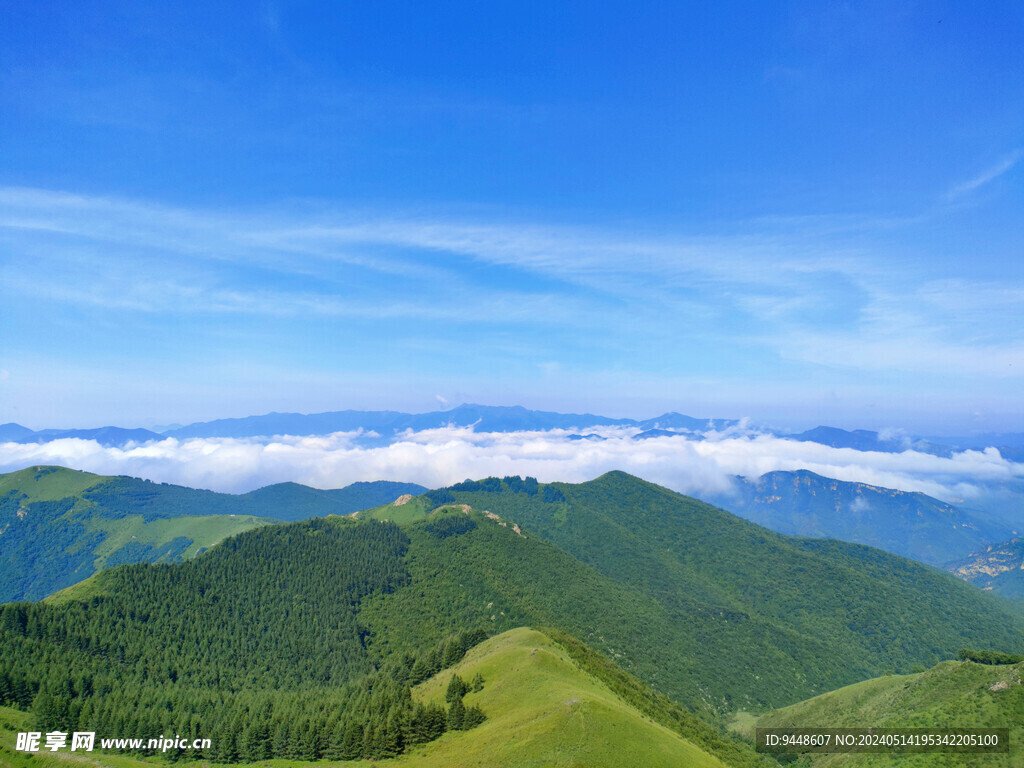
(909, 524)
(59, 526)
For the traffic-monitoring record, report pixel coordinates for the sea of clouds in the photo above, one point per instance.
(697, 465)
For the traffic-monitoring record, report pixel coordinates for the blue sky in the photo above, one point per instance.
(799, 212)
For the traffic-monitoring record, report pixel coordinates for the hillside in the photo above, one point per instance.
(59, 526)
(998, 568)
(907, 524)
(951, 694)
(543, 709)
(814, 614)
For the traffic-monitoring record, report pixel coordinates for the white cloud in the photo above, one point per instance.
(440, 457)
(986, 176)
(859, 504)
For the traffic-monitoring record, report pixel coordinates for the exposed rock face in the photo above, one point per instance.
(984, 566)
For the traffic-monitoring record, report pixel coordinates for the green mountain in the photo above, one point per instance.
(998, 568)
(756, 616)
(912, 525)
(59, 526)
(953, 694)
(290, 501)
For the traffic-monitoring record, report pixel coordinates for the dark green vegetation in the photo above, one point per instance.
(255, 645)
(950, 695)
(908, 524)
(989, 657)
(726, 614)
(291, 501)
(59, 526)
(998, 568)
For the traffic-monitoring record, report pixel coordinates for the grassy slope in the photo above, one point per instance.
(413, 509)
(951, 694)
(203, 530)
(542, 711)
(81, 591)
(48, 483)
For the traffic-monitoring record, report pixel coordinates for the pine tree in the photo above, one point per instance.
(352, 746)
(472, 718)
(456, 715)
(457, 688)
(335, 749)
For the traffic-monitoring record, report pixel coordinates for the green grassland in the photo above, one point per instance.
(202, 532)
(415, 508)
(953, 694)
(48, 483)
(542, 710)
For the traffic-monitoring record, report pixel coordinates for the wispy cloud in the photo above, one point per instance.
(1005, 165)
(772, 271)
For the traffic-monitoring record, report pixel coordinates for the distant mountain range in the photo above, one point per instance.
(485, 418)
(387, 425)
(107, 436)
(912, 525)
(59, 526)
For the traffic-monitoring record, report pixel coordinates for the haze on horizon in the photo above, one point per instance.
(800, 215)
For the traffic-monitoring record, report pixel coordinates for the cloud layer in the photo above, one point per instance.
(442, 456)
